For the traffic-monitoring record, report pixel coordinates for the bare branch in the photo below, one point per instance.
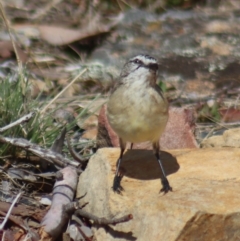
(103, 221)
(46, 154)
(9, 211)
(70, 207)
(74, 154)
(17, 122)
(63, 194)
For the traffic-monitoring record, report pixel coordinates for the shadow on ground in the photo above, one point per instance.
(142, 164)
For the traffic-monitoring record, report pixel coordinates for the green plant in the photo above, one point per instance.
(15, 102)
(163, 86)
(208, 113)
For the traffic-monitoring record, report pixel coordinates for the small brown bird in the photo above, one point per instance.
(137, 110)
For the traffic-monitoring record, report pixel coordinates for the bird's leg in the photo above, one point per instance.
(118, 175)
(131, 146)
(166, 187)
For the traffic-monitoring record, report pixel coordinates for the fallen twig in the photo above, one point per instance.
(23, 224)
(63, 193)
(23, 210)
(15, 220)
(46, 154)
(74, 154)
(70, 207)
(103, 221)
(17, 122)
(9, 211)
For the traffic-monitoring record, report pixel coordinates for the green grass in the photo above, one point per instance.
(15, 102)
(42, 129)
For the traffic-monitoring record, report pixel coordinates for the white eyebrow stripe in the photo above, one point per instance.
(145, 59)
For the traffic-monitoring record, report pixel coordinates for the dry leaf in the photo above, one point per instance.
(57, 35)
(62, 36)
(6, 51)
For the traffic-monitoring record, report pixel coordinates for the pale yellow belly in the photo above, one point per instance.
(138, 130)
(136, 116)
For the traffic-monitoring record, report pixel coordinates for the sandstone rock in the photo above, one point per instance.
(213, 141)
(203, 206)
(230, 138)
(179, 132)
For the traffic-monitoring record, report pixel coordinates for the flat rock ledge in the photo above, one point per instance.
(204, 204)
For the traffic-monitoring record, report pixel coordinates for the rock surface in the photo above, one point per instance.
(198, 44)
(204, 204)
(230, 138)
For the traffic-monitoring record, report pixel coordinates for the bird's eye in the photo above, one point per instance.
(137, 61)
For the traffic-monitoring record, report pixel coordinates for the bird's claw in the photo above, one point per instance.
(116, 184)
(166, 187)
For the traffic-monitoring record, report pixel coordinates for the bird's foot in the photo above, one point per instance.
(117, 184)
(166, 187)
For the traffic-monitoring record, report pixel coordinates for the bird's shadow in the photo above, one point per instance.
(142, 164)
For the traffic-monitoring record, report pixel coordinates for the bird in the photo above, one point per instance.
(137, 111)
